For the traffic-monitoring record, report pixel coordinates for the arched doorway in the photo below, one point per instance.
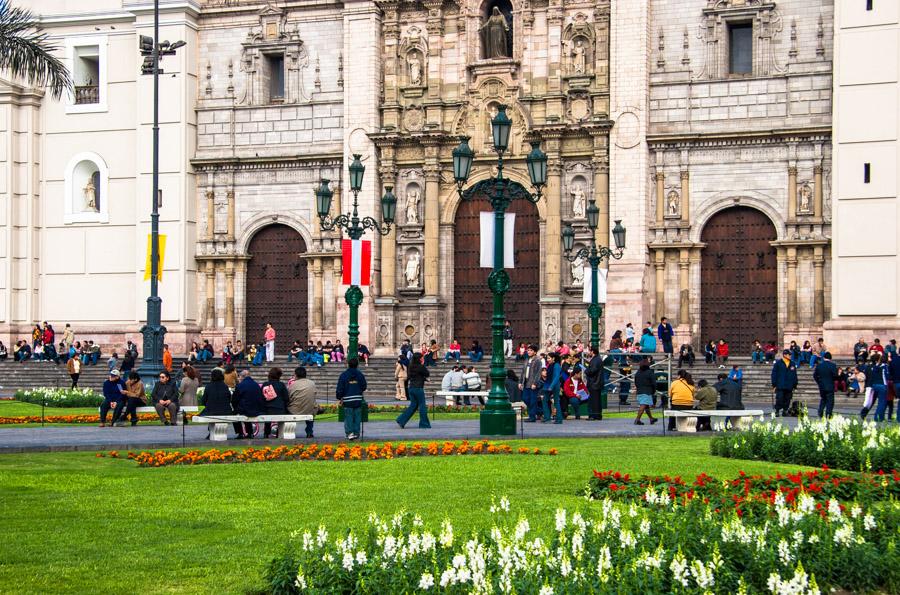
(277, 289)
(473, 301)
(739, 279)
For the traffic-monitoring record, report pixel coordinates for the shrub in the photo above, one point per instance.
(60, 397)
(839, 443)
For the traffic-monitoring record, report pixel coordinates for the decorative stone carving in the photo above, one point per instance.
(412, 205)
(578, 43)
(804, 198)
(91, 195)
(412, 270)
(495, 34)
(578, 272)
(673, 204)
(414, 65)
(579, 202)
(718, 15)
(551, 325)
(273, 37)
(414, 118)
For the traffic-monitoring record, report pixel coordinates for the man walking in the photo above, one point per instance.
(595, 379)
(825, 374)
(349, 392)
(665, 333)
(784, 381)
(508, 340)
(531, 375)
(270, 343)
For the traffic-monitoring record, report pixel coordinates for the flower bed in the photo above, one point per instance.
(616, 547)
(333, 408)
(60, 397)
(88, 418)
(316, 452)
(840, 443)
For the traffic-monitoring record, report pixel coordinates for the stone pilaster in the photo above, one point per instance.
(600, 164)
(210, 214)
(388, 242)
(818, 193)
(791, 264)
(318, 294)
(552, 249)
(660, 195)
(231, 215)
(229, 294)
(792, 192)
(432, 223)
(211, 321)
(659, 264)
(819, 290)
(684, 288)
(685, 197)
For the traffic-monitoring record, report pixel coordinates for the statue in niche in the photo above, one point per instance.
(805, 198)
(412, 207)
(579, 202)
(90, 194)
(578, 272)
(672, 200)
(494, 35)
(579, 61)
(411, 272)
(415, 68)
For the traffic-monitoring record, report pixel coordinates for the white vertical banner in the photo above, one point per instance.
(601, 285)
(487, 240)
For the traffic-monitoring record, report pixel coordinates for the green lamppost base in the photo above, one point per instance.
(495, 422)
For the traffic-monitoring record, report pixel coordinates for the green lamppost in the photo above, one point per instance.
(594, 255)
(497, 417)
(354, 226)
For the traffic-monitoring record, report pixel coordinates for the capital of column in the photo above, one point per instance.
(554, 167)
(660, 176)
(792, 170)
(432, 172)
(685, 174)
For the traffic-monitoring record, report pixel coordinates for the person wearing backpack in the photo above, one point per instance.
(276, 396)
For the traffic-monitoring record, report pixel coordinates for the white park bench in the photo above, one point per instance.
(450, 396)
(183, 409)
(218, 424)
(686, 420)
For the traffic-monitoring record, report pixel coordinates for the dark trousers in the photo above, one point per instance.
(704, 423)
(783, 400)
(267, 429)
(677, 408)
(416, 402)
(826, 402)
(595, 405)
(529, 396)
(309, 429)
(243, 429)
(105, 407)
(667, 346)
(74, 380)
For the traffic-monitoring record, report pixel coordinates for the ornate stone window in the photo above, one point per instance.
(86, 189)
(86, 57)
(738, 37)
(273, 58)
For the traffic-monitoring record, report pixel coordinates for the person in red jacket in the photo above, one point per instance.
(573, 390)
(722, 353)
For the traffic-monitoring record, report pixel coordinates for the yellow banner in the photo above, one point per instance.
(162, 256)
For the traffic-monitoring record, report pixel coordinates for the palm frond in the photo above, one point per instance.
(25, 52)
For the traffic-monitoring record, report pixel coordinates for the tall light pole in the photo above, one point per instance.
(354, 226)
(594, 255)
(497, 416)
(154, 332)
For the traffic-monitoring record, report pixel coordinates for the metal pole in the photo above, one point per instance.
(594, 309)
(354, 298)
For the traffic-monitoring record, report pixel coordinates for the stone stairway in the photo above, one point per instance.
(380, 372)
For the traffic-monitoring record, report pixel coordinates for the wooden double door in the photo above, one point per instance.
(472, 300)
(277, 288)
(739, 279)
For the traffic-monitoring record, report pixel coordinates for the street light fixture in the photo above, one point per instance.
(497, 416)
(354, 226)
(154, 332)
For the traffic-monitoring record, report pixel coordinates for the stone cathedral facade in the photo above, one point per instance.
(703, 125)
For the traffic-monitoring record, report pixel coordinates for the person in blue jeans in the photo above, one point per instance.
(551, 389)
(350, 388)
(476, 352)
(530, 381)
(416, 374)
(758, 355)
(876, 379)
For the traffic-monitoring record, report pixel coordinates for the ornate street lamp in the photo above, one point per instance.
(497, 416)
(354, 226)
(594, 255)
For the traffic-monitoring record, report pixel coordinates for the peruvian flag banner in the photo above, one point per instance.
(356, 260)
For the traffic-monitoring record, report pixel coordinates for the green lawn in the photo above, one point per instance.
(76, 523)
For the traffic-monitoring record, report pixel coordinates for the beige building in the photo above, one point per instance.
(704, 125)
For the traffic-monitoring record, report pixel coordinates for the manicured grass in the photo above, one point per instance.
(18, 408)
(76, 523)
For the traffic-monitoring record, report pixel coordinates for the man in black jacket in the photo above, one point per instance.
(825, 374)
(595, 378)
(530, 376)
(729, 393)
(247, 400)
(165, 398)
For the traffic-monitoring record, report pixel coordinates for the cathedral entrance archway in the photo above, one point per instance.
(277, 288)
(739, 279)
(473, 301)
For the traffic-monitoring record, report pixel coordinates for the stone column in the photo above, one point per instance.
(660, 265)
(210, 295)
(601, 198)
(432, 77)
(684, 287)
(231, 215)
(819, 294)
(318, 294)
(432, 224)
(792, 193)
(210, 214)
(660, 196)
(388, 242)
(553, 236)
(338, 290)
(229, 294)
(685, 197)
(791, 262)
(818, 193)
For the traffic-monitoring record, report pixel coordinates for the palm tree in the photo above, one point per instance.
(25, 53)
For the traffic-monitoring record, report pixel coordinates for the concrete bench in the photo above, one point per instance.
(686, 420)
(450, 396)
(218, 425)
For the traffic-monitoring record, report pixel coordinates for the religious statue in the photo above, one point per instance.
(579, 202)
(412, 270)
(415, 68)
(578, 272)
(494, 34)
(89, 193)
(578, 57)
(805, 195)
(412, 207)
(673, 202)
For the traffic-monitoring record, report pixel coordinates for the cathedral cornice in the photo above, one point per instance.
(208, 164)
(719, 139)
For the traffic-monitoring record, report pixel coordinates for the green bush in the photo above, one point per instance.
(60, 397)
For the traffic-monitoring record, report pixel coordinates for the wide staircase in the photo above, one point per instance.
(380, 377)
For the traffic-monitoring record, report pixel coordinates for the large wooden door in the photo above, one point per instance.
(473, 302)
(277, 289)
(739, 279)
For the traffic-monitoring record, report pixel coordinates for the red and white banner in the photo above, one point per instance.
(356, 260)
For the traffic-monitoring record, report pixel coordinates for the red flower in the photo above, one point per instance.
(613, 487)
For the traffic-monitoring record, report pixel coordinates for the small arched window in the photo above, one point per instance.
(87, 189)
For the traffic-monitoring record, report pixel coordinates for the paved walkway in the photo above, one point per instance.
(145, 436)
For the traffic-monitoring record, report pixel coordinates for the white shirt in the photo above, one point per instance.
(473, 380)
